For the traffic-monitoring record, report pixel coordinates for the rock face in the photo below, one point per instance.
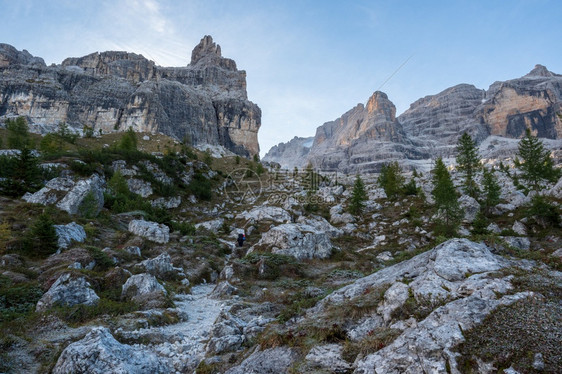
(348, 142)
(205, 101)
(158, 233)
(68, 291)
(100, 353)
(366, 136)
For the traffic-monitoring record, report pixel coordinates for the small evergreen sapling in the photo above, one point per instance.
(446, 200)
(358, 197)
(468, 163)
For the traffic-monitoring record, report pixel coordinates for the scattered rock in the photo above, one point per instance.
(213, 226)
(140, 187)
(328, 357)
(518, 242)
(161, 267)
(69, 233)
(166, 203)
(99, 353)
(269, 361)
(519, 228)
(158, 233)
(470, 206)
(68, 290)
(266, 213)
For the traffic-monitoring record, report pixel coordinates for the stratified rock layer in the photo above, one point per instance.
(205, 102)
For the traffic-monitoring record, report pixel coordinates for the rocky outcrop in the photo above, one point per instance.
(82, 197)
(158, 233)
(68, 290)
(265, 213)
(204, 102)
(457, 284)
(142, 287)
(99, 353)
(371, 134)
(69, 233)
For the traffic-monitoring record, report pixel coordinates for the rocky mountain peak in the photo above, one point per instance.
(540, 71)
(11, 56)
(379, 103)
(207, 52)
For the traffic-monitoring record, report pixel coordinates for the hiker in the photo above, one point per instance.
(241, 239)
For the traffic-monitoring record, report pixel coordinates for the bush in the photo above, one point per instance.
(200, 187)
(17, 299)
(544, 213)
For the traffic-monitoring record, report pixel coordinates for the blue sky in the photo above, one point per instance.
(307, 62)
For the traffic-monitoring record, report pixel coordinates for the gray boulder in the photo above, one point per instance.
(158, 233)
(166, 203)
(99, 353)
(470, 206)
(213, 225)
(328, 357)
(69, 233)
(266, 213)
(161, 266)
(270, 361)
(53, 191)
(519, 228)
(296, 239)
(68, 291)
(74, 199)
(140, 285)
(140, 187)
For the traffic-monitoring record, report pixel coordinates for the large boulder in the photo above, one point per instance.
(140, 285)
(99, 353)
(69, 233)
(296, 239)
(470, 206)
(54, 190)
(266, 213)
(68, 290)
(269, 361)
(158, 233)
(140, 187)
(213, 225)
(161, 266)
(85, 191)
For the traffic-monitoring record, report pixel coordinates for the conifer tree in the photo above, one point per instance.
(492, 191)
(446, 200)
(18, 133)
(43, 239)
(358, 197)
(468, 163)
(536, 164)
(391, 180)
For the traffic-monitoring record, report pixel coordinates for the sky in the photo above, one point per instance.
(307, 62)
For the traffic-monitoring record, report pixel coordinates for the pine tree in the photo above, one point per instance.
(128, 141)
(492, 191)
(23, 175)
(468, 163)
(446, 200)
(391, 180)
(18, 133)
(43, 239)
(358, 197)
(536, 164)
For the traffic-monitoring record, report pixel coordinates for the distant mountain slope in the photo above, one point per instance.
(205, 102)
(367, 136)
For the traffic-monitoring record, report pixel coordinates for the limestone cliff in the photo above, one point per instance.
(367, 136)
(205, 102)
